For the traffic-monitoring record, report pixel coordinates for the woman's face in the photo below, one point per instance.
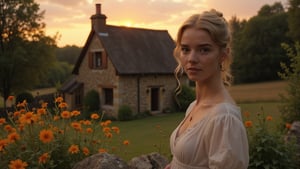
(199, 55)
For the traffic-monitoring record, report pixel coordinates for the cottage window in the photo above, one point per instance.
(97, 60)
(108, 96)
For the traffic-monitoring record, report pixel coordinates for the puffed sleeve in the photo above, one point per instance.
(227, 143)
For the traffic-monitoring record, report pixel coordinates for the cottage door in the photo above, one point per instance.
(155, 99)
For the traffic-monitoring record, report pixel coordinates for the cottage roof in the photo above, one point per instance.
(135, 50)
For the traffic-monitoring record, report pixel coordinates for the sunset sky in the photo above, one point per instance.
(71, 18)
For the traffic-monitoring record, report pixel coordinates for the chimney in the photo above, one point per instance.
(98, 20)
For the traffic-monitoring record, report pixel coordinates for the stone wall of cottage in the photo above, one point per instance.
(128, 90)
(99, 79)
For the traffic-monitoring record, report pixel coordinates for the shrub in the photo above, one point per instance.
(291, 103)
(24, 96)
(184, 98)
(91, 102)
(39, 139)
(267, 147)
(125, 113)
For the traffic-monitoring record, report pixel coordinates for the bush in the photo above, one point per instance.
(184, 98)
(91, 102)
(291, 107)
(267, 148)
(125, 113)
(24, 96)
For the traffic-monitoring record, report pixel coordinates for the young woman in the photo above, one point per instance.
(212, 134)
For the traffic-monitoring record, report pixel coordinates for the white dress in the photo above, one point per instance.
(217, 141)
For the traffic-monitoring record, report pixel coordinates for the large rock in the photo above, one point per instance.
(149, 161)
(102, 161)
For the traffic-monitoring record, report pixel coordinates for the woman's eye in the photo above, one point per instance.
(185, 49)
(204, 50)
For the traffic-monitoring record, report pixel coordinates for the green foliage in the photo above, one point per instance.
(91, 102)
(125, 113)
(24, 96)
(257, 44)
(293, 19)
(291, 73)
(68, 54)
(26, 52)
(185, 98)
(267, 147)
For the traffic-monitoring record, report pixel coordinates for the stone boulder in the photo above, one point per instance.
(149, 161)
(102, 161)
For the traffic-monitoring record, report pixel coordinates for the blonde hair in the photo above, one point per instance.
(214, 23)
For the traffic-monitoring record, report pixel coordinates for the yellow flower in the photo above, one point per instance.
(2, 121)
(17, 164)
(95, 116)
(269, 118)
(85, 151)
(126, 142)
(65, 114)
(248, 123)
(46, 136)
(43, 158)
(102, 150)
(73, 149)
(12, 137)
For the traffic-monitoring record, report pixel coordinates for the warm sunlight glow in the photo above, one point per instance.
(128, 23)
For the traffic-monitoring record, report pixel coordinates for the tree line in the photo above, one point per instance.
(29, 59)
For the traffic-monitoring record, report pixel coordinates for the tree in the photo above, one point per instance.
(257, 50)
(293, 19)
(68, 54)
(26, 52)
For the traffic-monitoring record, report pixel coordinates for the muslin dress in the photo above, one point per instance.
(217, 141)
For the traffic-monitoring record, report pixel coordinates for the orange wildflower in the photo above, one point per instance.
(41, 111)
(107, 122)
(108, 135)
(89, 130)
(44, 105)
(106, 129)
(16, 114)
(2, 121)
(43, 158)
(10, 98)
(46, 136)
(28, 118)
(269, 118)
(246, 114)
(248, 123)
(55, 118)
(288, 125)
(9, 128)
(73, 149)
(12, 137)
(116, 129)
(63, 105)
(75, 113)
(85, 151)
(3, 143)
(95, 116)
(87, 122)
(76, 126)
(102, 150)
(59, 100)
(126, 142)
(17, 164)
(65, 114)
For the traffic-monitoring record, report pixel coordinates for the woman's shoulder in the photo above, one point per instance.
(227, 110)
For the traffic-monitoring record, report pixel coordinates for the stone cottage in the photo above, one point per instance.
(127, 66)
